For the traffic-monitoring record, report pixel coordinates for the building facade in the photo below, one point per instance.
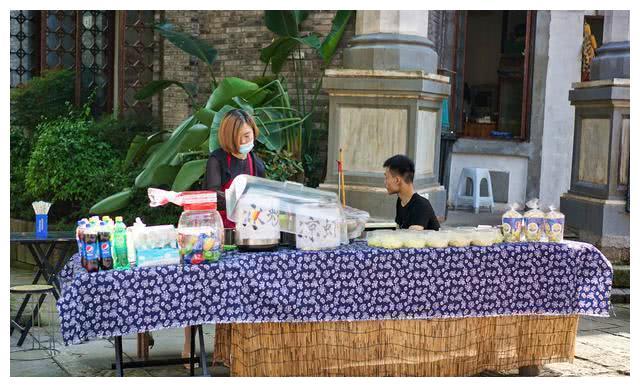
(495, 82)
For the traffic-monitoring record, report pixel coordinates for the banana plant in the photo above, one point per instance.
(177, 159)
(287, 42)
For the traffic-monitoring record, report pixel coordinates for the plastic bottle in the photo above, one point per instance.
(104, 238)
(119, 245)
(92, 253)
(131, 242)
(80, 240)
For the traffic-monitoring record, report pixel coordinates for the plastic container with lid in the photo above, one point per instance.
(438, 239)
(554, 225)
(200, 229)
(512, 222)
(375, 238)
(414, 239)
(460, 237)
(483, 237)
(356, 221)
(315, 217)
(155, 245)
(533, 222)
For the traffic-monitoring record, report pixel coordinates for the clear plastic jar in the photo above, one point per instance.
(200, 234)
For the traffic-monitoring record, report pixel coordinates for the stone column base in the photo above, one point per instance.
(382, 206)
(603, 223)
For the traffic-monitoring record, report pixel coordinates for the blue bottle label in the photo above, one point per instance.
(91, 251)
(105, 249)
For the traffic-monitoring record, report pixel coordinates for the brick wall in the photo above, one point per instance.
(239, 36)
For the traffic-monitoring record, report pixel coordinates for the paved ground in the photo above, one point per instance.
(602, 349)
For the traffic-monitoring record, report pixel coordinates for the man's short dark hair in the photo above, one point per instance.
(401, 165)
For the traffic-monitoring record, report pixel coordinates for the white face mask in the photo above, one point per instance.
(245, 148)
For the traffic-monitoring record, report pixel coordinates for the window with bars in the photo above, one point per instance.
(24, 48)
(113, 53)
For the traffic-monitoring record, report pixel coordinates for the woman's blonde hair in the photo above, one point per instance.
(228, 134)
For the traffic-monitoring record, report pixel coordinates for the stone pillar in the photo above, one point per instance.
(386, 101)
(595, 205)
(612, 58)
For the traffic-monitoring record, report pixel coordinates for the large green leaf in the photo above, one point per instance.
(193, 137)
(165, 175)
(300, 16)
(270, 135)
(184, 157)
(205, 116)
(280, 50)
(188, 175)
(310, 40)
(112, 203)
(273, 142)
(227, 89)
(256, 98)
(157, 86)
(217, 120)
(137, 143)
(164, 153)
(204, 147)
(187, 43)
(243, 104)
(142, 145)
(282, 23)
(330, 42)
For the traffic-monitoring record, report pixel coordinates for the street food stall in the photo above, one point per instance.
(453, 302)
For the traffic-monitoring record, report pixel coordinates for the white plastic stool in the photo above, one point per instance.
(476, 175)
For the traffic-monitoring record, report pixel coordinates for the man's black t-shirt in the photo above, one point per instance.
(418, 212)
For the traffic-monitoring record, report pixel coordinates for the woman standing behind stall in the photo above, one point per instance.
(236, 136)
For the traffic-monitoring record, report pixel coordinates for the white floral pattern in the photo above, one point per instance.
(352, 282)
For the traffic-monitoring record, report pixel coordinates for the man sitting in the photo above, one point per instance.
(413, 211)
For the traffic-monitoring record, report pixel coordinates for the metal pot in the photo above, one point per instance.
(287, 239)
(255, 244)
(229, 236)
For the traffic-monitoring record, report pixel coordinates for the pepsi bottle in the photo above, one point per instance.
(91, 249)
(104, 239)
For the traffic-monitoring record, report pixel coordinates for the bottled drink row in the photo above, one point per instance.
(102, 244)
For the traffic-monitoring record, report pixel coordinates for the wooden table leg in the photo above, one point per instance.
(533, 370)
(143, 346)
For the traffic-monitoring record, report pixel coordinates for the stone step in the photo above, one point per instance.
(620, 296)
(621, 274)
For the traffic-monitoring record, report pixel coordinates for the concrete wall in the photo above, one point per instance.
(514, 165)
(565, 50)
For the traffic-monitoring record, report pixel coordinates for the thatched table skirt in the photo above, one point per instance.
(439, 347)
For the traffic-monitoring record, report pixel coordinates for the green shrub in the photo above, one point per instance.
(279, 166)
(42, 98)
(20, 152)
(117, 132)
(71, 168)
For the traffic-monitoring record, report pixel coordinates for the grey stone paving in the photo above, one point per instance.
(602, 349)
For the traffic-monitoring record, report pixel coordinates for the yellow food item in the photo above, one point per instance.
(414, 243)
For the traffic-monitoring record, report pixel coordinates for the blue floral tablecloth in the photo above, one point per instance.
(353, 282)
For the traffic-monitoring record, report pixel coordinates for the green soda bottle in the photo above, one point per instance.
(121, 261)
